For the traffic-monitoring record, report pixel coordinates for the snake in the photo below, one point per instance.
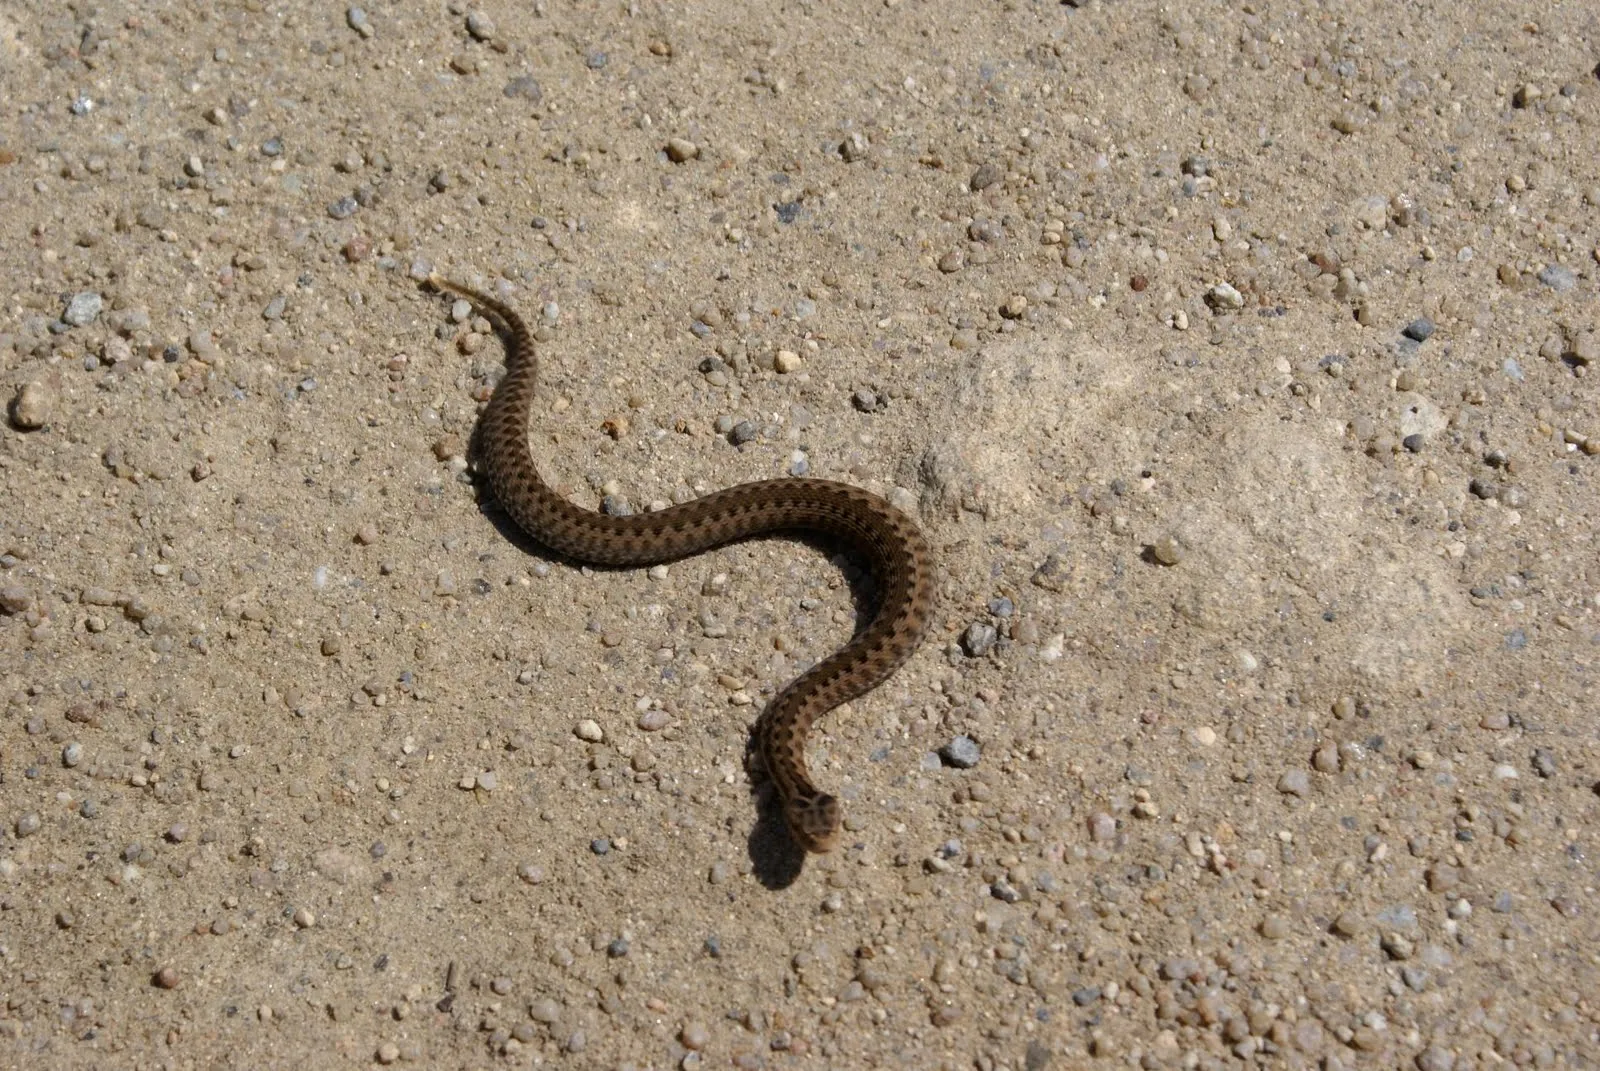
(860, 522)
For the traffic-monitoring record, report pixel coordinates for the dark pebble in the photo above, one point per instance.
(978, 639)
(1419, 330)
(1412, 442)
(1544, 762)
(985, 176)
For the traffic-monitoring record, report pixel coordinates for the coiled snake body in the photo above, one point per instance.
(890, 542)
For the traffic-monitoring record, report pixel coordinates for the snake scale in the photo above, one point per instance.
(860, 521)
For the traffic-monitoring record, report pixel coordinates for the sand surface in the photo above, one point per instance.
(1237, 359)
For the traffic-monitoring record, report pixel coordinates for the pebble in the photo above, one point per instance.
(1349, 924)
(785, 362)
(1419, 330)
(1167, 550)
(480, 26)
(984, 229)
(589, 729)
(1436, 1058)
(681, 150)
(388, 1052)
(31, 407)
(1294, 783)
(1544, 762)
(985, 176)
(1102, 827)
(979, 638)
(524, 87)
(14, 599)
(166, 978)
(1558, 277)
(1225, 296)
(83, 309)
(962, 752)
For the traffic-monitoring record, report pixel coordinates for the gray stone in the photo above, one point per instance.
(963, 752)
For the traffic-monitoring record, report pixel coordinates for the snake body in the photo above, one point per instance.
(886, 538)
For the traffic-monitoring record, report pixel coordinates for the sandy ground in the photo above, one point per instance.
(1238, 360)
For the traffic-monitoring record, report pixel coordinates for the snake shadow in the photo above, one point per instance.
(776, 859)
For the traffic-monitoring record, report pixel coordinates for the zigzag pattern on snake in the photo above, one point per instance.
(864, 524)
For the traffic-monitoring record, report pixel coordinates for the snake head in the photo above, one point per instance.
(814, 821)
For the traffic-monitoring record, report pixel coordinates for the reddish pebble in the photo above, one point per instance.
(166, 978)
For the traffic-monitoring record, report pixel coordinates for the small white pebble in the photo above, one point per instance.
(589, 729)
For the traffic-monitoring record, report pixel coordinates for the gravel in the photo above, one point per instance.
(1301, 309)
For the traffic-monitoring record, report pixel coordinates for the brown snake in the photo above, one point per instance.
(864, 523)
